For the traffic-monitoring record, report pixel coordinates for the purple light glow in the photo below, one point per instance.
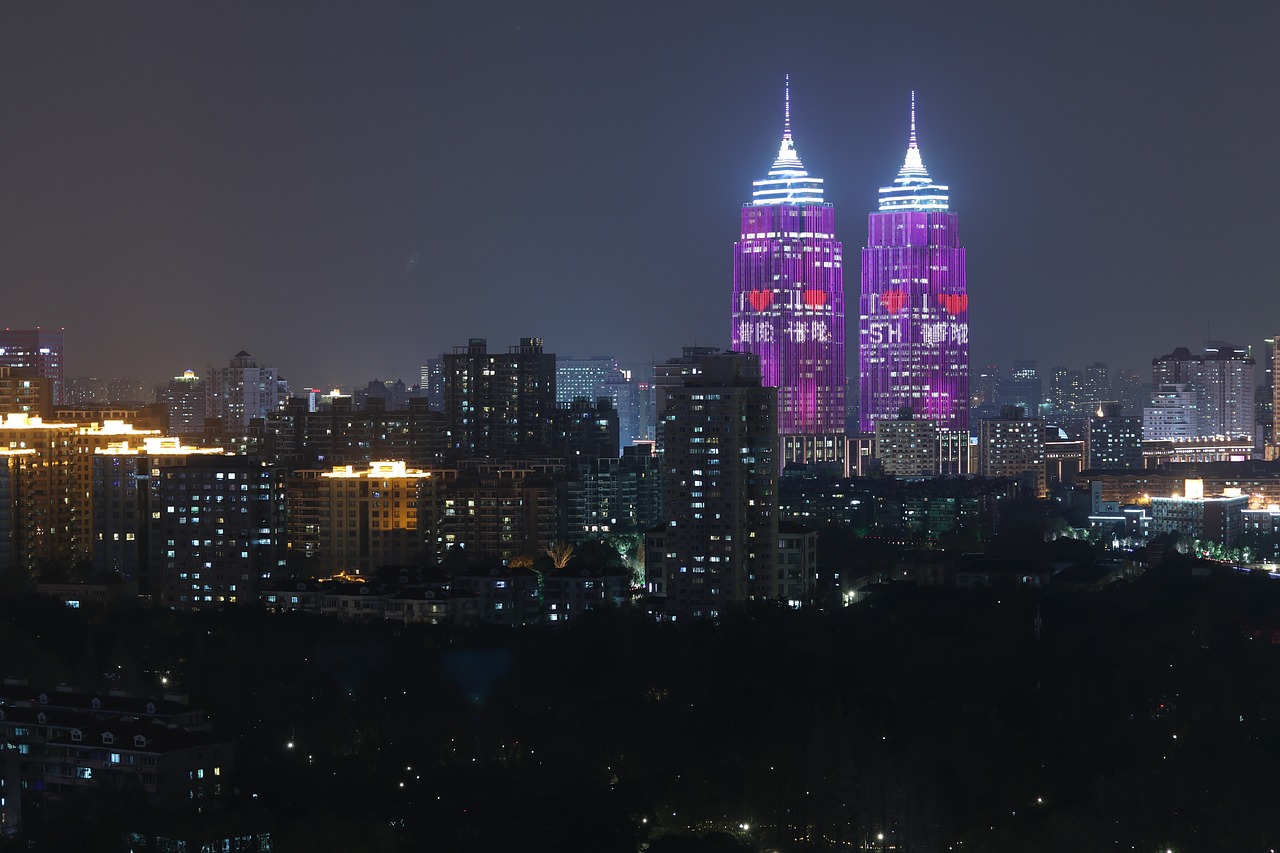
(913, 317)
(788, 295)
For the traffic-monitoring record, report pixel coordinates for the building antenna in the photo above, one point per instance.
(786, 107)
(911, 143)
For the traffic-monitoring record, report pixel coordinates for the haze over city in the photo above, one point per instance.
(347, 191)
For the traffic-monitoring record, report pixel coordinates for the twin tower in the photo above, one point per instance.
(913, 308)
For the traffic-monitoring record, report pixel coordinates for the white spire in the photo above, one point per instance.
(787, 182)
(912, 189)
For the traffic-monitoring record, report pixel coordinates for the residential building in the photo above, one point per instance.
(216, 531)
(1012, 445)
(38, 350)
(720, 473)
(241, 392)
(355, 519)
(1112, 440)
(907, 447)
(184, 397)
(499, 405)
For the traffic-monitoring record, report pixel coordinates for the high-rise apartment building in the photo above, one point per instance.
(216, 531)
(719, 543)
(583, 378)
(184, 397)
(431, 383)
(1226, 401)
(123, 518)
(1172, 414)
(1097, 386)
(907, 447)
(39, 350)
(1223, 382)
(598, 377)
(22, 390)
(242, 391)
(788, 293)
(913, 319)
(52, 509)
(1112, 440)
(1012, 445)
(490, 510)
(499, 405)
(356, 519)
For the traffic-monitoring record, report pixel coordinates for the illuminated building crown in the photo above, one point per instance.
(787, 182)
(913, 189)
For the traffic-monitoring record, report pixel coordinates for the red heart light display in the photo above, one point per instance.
(815, 298)
(893, 300)
(760, 299)
(954, 303)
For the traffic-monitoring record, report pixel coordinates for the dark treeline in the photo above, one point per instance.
(1144, 715)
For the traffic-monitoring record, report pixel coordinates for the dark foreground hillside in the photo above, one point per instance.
(1144, 716)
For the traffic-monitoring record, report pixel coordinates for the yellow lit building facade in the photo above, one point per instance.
(355, 519)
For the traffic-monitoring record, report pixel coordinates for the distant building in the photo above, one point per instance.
(1097, 386)
(955, 452)
(339, 433)
(583, 428)
(1112, 440)
(1066, 393)
(583, 378)
(39, 350)
(605, 495)
(51, 502)
(490, 511)
(242, 391)
(1012, 445)
(120, 487)
(216, 531)
(907, 447)
(720, 471)
(184, 397)
(1275, 402)
(389, 395)
(1223, 382)
(431, 383)
(1226, 401)
(1064, 457)
(1172, 413)
(1195, 516)
(1022, 388)
(498, 405)
(24, 391)
(354, 520)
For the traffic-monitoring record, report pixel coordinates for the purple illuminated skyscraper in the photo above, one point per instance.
(913, 318)
(788, 293)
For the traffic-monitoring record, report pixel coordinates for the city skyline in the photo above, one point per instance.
(369, 173)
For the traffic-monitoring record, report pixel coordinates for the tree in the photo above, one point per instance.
(560, 552)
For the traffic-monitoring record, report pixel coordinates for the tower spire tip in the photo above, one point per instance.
(786, 106)
(912, 142)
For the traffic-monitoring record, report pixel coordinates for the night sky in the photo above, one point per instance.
(346, 190)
